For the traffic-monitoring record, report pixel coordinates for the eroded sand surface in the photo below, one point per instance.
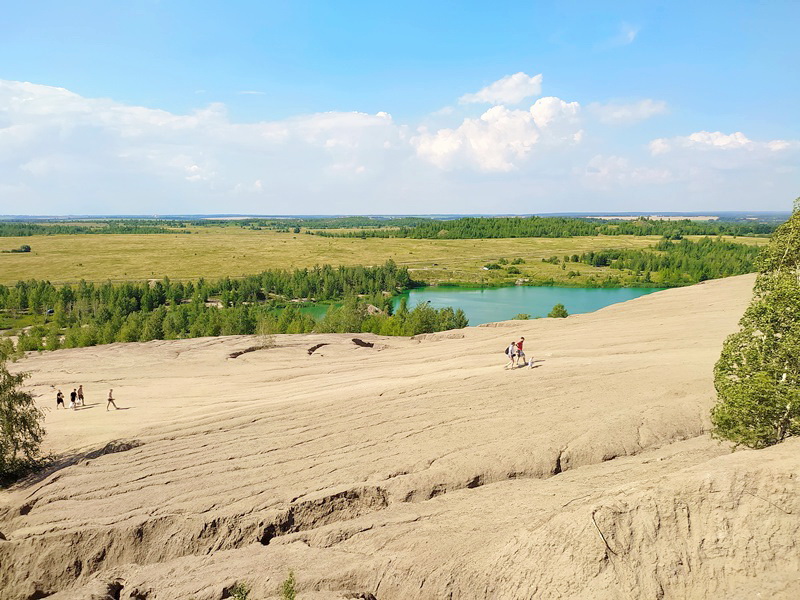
(414, 469)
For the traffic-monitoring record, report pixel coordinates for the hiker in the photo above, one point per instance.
(60, 400)
(511, 352)
(80, 395)
(520, 353)
(73, 399)
(111, 400)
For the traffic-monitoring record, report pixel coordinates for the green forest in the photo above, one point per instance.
(401, 227)
(26, 229)
(90, 314)
(674, 263)
(556, 227)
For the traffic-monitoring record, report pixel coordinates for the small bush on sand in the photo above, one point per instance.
(559, 312)
(287, 589)
(240, 592)
(264, 334)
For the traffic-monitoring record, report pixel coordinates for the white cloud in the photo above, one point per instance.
(619, 114)
(551, 111)
(53, 141)
(716, 140)
(501, 137)
(511, 89)
(63, 153)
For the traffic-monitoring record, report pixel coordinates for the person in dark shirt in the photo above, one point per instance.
(60, 400)
(111, 401)
(73, 399)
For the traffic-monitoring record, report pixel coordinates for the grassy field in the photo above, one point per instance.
(213, 252)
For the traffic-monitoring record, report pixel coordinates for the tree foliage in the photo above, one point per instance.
(758, 374)
(674, 263)
(554, 227)
(559, 311)
(21, 430)
(265, 304)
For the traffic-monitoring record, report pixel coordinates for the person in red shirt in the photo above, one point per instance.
(520, 353)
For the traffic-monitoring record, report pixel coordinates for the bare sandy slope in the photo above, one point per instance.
(414, 469)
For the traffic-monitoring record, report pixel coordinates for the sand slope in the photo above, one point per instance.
(414, 469)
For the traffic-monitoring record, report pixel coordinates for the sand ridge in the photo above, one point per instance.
(418, 468)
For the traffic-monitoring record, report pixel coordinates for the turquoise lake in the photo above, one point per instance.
(487, 305)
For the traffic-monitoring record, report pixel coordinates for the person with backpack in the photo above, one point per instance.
(511, 353)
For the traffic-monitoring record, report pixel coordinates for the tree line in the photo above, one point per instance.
(129, 226)
(671, 263)
(89, 314)
(555, 227)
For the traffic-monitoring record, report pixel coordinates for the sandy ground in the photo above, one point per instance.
(419, 468)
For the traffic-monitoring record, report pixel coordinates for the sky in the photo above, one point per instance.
(175, 107)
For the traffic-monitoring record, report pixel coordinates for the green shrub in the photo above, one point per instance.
(522, 317)
(288, 591)
(240, 592)
(21, 430)
(757, 377)
(513, 271)
(559, 311)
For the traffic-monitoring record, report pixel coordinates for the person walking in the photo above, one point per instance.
(111, 401)
(60, 400)
(80, 395)
(73, 399)
(520, 353)
(511, 352)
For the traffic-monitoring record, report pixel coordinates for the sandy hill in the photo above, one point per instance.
(414, 469)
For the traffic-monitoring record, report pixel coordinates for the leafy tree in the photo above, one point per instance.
(559, 311)
(21, 430)
(757, 376)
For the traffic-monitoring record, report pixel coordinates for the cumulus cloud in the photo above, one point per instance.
(61, 152)
(501, 137)
(53, 140)
(511, 89)
(716, 140)
(624, 114)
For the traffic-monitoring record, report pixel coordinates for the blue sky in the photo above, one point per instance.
(257, 107)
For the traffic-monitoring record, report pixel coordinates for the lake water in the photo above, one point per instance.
(487, 305)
